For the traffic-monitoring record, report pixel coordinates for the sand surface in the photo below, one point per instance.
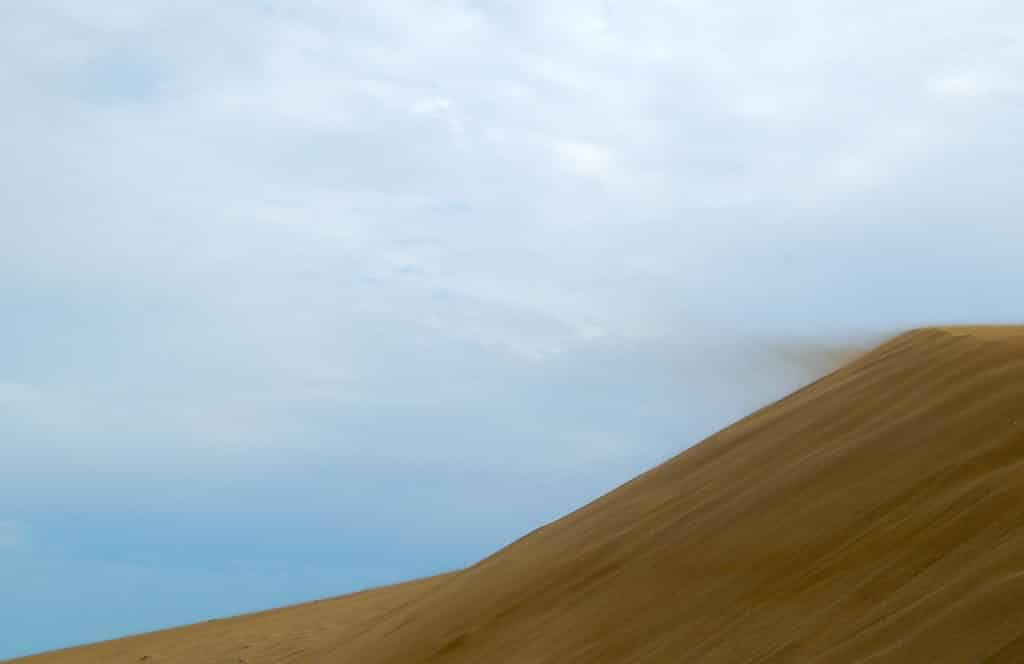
(876, 515)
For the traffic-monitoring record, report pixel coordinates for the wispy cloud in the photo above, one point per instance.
(972, 84)
(215, 203)
(585, 159)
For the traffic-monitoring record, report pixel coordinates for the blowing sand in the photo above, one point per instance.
(876, 515)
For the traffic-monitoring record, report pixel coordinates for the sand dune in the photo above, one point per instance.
(876, 515)
(278, 635)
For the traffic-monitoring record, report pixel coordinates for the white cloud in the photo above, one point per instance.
(442, 108)
(970, 84)
(282, 201)
(431, 106)
(586, 159)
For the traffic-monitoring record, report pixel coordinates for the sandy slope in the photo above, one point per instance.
(876, 515)
(278, 635)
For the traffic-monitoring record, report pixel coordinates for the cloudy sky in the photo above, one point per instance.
(303, 297)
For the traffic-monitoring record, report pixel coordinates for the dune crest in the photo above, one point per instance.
(989, 332)
(876, 515)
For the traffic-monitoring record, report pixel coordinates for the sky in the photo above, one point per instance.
(298, 298)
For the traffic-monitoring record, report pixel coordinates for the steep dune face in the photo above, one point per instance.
(876, 515)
